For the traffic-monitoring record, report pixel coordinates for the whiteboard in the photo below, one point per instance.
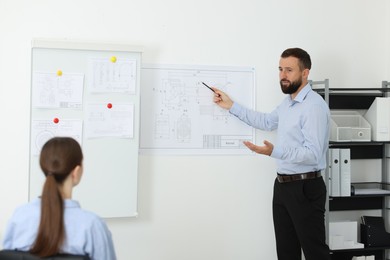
(109, 183)
(179, 117)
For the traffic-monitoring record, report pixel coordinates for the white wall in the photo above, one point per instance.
(388, 40)
(198, 207)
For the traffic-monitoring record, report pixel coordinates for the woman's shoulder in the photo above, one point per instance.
(86, 217)
(28, 208)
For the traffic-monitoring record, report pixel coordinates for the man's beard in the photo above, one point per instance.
(292, 87)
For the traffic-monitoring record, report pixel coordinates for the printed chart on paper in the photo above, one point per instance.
(178, 115)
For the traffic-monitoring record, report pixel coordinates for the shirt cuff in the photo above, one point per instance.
(235, 109)
(277, 152)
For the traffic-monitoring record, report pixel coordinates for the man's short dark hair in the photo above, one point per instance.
(301, 55)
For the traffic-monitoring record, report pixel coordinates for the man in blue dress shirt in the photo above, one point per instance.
(302, 123)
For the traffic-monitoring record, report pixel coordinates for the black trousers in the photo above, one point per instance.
(299, 219)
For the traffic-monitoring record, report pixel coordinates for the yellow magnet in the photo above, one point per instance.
(59, 72)
(113, 59)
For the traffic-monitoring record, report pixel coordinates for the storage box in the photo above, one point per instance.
(350, 126)
(370, 188)
(343, 235)
(378, 115)
(373, 232)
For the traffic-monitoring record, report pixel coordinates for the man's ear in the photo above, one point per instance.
(305, 73)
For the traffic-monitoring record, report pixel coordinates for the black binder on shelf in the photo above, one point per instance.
(373, 232)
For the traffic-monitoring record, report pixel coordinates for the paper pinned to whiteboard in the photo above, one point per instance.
(105, 76)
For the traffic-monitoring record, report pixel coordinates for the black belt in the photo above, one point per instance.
(298, 177)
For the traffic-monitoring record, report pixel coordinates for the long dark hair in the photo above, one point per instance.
(59, 156)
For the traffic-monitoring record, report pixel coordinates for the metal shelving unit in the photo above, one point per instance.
(358, 99)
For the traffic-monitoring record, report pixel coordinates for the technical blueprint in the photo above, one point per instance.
(178, 115)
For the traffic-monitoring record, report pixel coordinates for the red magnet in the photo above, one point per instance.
(109, 105)
(56, 120)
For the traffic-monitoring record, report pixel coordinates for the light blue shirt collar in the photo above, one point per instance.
(68, 203)
(301, 95)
